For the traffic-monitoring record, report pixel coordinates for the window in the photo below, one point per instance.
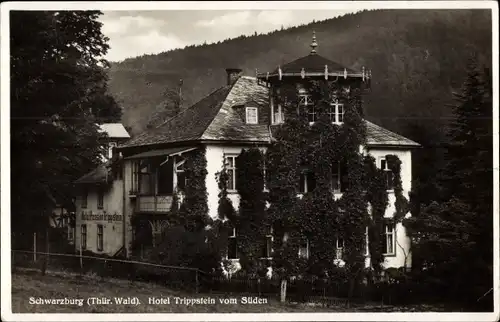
(71, 233)
(264, 171)
(232, 245)
(181, 175)
(336, 111)
(304, 248)
(389, 248)
(230, 162)
(145, 178)
(336, 178)
(164, 177)
(311, 114)
(135, 178)
(277, 109)
(367, 247)
(111, 146)
(252, 115)
(307, 182)
(388, 174)
(100, 198)
(268, 244)
(279, 116)
(305, 101)
(100, 237)
(83, 239)
(339, 248)
(85, 196)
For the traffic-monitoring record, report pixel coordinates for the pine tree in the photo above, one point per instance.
(453, 236)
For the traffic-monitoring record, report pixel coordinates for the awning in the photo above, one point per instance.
(159, 153)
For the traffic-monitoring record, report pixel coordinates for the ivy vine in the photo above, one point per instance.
(401, 204)
(297, 150)
(194, 209)
(252, 226)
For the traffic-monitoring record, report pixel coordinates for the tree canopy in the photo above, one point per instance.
(453, 235)
(58, 95)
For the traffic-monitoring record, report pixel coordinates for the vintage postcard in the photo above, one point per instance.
(243, 161)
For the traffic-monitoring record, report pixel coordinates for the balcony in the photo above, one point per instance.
(153, 204)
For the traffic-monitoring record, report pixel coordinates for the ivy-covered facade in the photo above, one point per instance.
(283, 166)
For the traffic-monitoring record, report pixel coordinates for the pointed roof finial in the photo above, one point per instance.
(314, 44)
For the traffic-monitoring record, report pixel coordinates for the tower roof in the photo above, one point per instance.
(313, 65)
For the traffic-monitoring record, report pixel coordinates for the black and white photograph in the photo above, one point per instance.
(223, 161)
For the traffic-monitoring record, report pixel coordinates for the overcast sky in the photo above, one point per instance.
(134, 33)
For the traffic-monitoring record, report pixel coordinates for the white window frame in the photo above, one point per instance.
(233, 168)
(111, 145)
(278, 117)
(386, 169)
(306, 102)
(390, 230)
(336, 111)
(232, 236)
(339, 248)
(100, 238)
(250, 120)
(179, 168)
(367, 246)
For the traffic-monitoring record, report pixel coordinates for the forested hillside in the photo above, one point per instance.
(417, 58)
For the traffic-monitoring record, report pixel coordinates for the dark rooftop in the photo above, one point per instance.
(214, 118)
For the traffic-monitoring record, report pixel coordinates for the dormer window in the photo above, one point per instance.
(252, 115)
(336, 111)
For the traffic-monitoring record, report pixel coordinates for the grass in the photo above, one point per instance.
(56, 285)
(26, 285)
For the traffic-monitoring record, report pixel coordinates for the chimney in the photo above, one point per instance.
(232, 75)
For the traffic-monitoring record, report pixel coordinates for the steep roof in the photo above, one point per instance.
(377, 135)
(114, 130)
(228, 124)
(216, 117)
(212, 118)
(98, 175)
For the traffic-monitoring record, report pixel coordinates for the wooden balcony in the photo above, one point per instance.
(153, 204)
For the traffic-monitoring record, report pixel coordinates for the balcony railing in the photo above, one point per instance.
(161, 204)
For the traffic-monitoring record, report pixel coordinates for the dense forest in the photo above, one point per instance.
(417, 58)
